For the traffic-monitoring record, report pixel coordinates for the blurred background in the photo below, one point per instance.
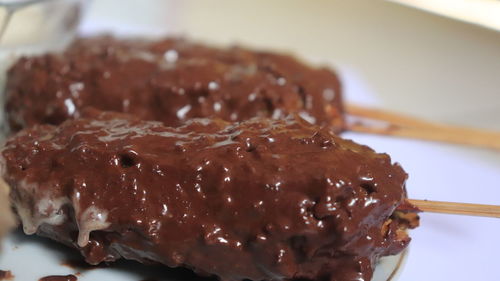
(403, 58)
(390, 55)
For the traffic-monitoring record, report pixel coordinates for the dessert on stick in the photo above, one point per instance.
(261, 199)
(172, 80)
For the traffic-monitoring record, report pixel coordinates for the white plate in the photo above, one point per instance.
(32, 257)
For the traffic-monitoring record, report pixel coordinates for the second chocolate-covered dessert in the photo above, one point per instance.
(168, 80)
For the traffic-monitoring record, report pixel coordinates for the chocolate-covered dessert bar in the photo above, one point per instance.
(168, 80)
(262, 199)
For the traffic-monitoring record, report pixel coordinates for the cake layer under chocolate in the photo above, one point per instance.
(260, 200)
(168, 80)
(6, 217)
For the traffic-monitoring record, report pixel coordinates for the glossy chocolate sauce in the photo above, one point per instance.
(169, 80)
(259, 200)
(59, 278)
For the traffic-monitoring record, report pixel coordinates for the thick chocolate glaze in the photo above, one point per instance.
(259, 200)
(169, 80)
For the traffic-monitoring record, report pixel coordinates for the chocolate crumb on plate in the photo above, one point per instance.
(59, 278)
(6, 275)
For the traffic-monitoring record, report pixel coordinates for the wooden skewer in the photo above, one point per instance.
(486, 140)
(410, 127)
(457, 208)
(390, 117)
